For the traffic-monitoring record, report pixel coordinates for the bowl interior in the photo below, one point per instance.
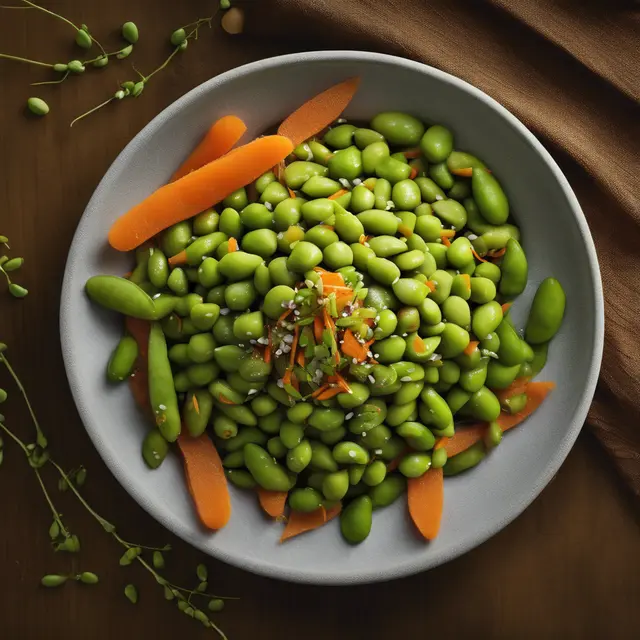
(555, 237)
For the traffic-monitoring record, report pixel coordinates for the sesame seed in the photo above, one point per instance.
(157, 296)
(352, 454)
(377, 451)
(376, 355)
(371, 379)
(405, 379)
(404, 335)
(439, 197)
(279, 352)
(341, 120)
(280, 383)
(252, 391)
(356, 182)
(349, 415)
(268, 206)
(472, 236)
(162, 407)
(225, 311)
(288, 339)
(354, 360)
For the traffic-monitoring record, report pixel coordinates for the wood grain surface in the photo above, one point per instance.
(569, 567)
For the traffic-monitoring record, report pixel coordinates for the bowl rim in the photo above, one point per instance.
(370, 575)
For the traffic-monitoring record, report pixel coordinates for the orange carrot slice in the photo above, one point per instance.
(352, 348)
(272, 502)
(536, 393)
(465, 437)
(337, 194)
(505, 307)
(425, 496)
(197, 191)
(302, 522)
(465, 172)
(233, 245)
(220, 139)
(413, 174)
(318, 328)
(319, 112)
(139, 331)
(471, 347)
(518, 386)
(329, 393)
(412, 154)
(206, 480)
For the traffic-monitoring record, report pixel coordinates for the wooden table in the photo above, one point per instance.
(567, 568)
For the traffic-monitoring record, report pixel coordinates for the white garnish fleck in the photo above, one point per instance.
(405, 379)
(349, 415)
(225, 311)
(268, 206)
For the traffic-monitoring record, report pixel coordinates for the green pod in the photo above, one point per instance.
(240, 413)
(204, 246)
(500, 376)
(266, 472)
(229, 357)
(436, 143)
(121, 295)
(398, 128)
(356, 519)
(512, 347)
(222, 392)
(547, 312)
(539, 357)
(388, 491)
(514, 269)
(399, 413)
(465, 460)
(439, 413)
(489, 196)
(123, 360)
(226, 429)
(162, 393)
(458, 160)
(197, 411)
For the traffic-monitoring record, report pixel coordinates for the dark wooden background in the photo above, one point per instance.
(568, 567)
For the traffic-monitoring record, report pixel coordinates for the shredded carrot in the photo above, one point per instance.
(339, 380)
(425, 496)
(413, 174)
(471, 347)
(233, 245)
(412, 154)
(178, 259)
(284, 316)
(330, 278)
(318, 328)
(337, 194)
(432, 285)
(467, 280)
(418, 345)
(363, 239)
(445, 241)
(272, 502)
(197, 191)
(196, 404)
(320, 390)
(224, 399)
(267, 351)
(291, 192)
(300, 358)
(447, 233)
(300, 522)
(353, 348)
(139, 331)
(476, 256)
(331, 392)
(318, 112)
(536, 393)
(404, 230)
(220, 139)
(294, 345)
(206, 480)
(440, 443)
(465, 172)
(496, 253)
(370, 183)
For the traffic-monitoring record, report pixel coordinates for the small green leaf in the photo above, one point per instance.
(225, 4)
(53, 580)
(17, 291)
(81, 476)
(54, 530)
(158, 560)
(183, 605)
(15, 263)
(125, 52)
(83, 39)
(202, 587)
(216, 605)
(201, 616)
(131, 593)
(87, 577)
(202, 573)
(3, 395)
(168, 594)
(178, 37)
(189, 611)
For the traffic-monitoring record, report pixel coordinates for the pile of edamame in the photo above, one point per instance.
(340, 319)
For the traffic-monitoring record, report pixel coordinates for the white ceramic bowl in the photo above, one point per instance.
(557, 242)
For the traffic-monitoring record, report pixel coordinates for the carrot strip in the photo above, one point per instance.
(418, 345)
(196, 404)
(197, 191)
(331, 278)
(413, 174)
(139, 331)
(467, 280)
(302, 522)
(425, 496)
(319, 112)
(320, 390)
(352, 348)
(178, 259)
(233, 245)
(440, 443)
(331, 392)
(465, 172)
(272, 502)
(294, 345)
(318, 328)
(300, 361)
(224, 399)
(284, 316)
(267, 351)
(497, 253)
(337, 194)
(536, 393)
(464, 438)
(412, 154)
(220, 139)
(432, 285)
(518, 386)
(447, 233)
(445, 241)
(471, 347)
(404, 230)
(206, 480)
(363, 239)
(476, 256)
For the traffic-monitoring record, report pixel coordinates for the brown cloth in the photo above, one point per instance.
(570, 70)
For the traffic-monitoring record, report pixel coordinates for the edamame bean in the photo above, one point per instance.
(489, 196)
(514, 270)
(483, 405)
(177, 238)
(205, 223)
(255, 216)
(154, 449)
(414, 465)
(197, 411)
(465, 460)
(123, 360)
(299, 457)
(340, 137)
(364, 137)
(486, 319)
(457, 310)
(355, 520)
(346, 164)
(392, 170)
(406, 195)
(266, 472)
(388, 491)
(374, 473)
(261, 242)
(441, 175)
(304, 256)
(335, 485)
(417, 436)
(398, 128)
(436, 143)
(350, 453)
(362, 199)
(547, 312)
